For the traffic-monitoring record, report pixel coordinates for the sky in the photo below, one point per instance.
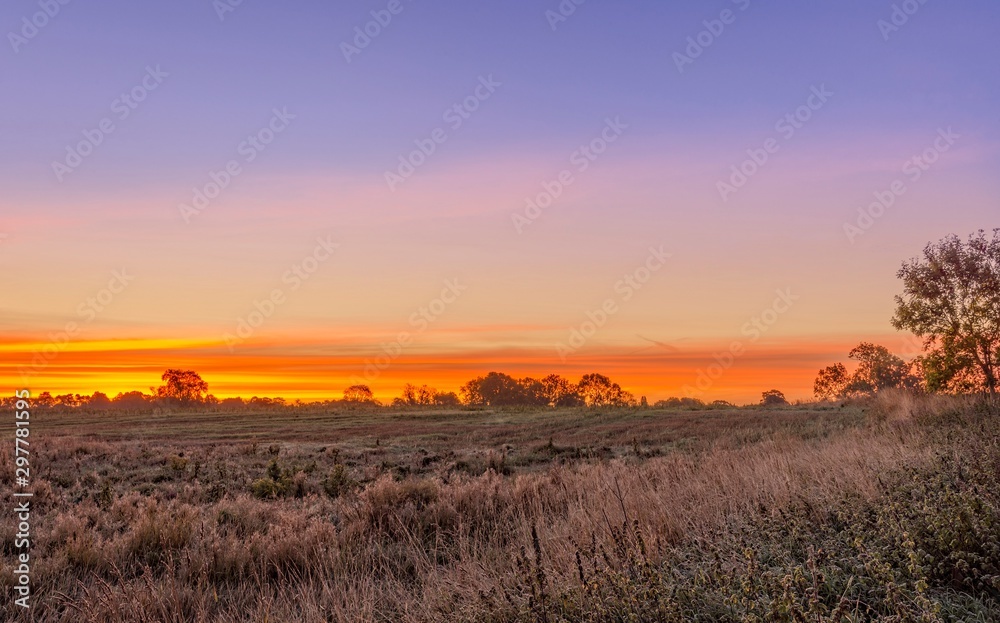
(290, 198)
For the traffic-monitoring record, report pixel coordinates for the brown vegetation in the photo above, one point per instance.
(487, 515)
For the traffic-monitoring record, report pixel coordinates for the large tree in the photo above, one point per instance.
(951, 299)
(495, 389)
(832, 382)
(878, 369)
(358, 393)
(598, 390)
(413, 395)
(773, 398)
(185, 386)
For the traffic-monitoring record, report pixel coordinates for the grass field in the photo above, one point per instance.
(880, 510)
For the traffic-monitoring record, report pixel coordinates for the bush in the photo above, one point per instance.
(338, 482)
(278, 483)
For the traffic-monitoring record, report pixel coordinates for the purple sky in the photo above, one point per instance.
(892, 92)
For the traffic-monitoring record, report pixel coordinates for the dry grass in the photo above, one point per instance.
(419, 516)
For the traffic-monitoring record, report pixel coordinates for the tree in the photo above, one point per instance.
(773, 398)
(471, 394)
(948, 371)
(598, 390)
(359, 393)
(185, 386)
(951, 299)
(71, 401)
(446, 399)
(561, 392)
(533, 392)
(100, 401)
(425, 395)
(500, 389)
(878, 369)
(495, 389)
(130, 400)
(413, 395)
(409, 396)
(832, 382)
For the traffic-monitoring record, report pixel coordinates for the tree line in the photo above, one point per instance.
(186, 388)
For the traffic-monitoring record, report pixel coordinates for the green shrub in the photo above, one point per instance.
(338, 482)
(266, 488)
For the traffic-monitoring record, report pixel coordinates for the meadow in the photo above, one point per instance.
(879, 509)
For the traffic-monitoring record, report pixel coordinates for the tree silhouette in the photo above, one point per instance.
(359, 393)
(878, 369)
(498, 389)
(185, 386)
(560, 392)
(832, 382)
(447, 399)
(773, 398)
(599, 391)
(533, 392)
(425, 395)
(471, 394)
(130, 400)
(99, 401)
(951, 299)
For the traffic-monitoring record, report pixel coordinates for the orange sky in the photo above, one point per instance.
(319, 369)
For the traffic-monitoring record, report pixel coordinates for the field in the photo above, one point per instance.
(887, 509)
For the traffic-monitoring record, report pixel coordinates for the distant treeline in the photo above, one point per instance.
(186, 389)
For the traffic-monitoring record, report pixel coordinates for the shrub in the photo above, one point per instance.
(338, 482)
(178, 463)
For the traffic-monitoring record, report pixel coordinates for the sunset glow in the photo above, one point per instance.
(276, 220)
